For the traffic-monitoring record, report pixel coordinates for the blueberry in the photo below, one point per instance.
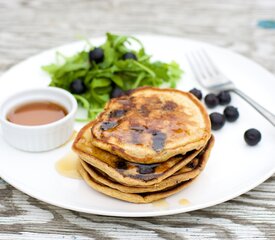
(121, 164)
(117, 92)
(217, 120)
(231, 113)
(129, 55)
(224, 97)
(96, 55)
(78, 86)
(146, 168)
(252, 136)
(211, 100)
(197, 93)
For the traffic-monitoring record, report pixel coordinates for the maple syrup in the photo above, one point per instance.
(36, 113)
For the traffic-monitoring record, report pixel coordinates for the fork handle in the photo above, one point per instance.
(264, 112)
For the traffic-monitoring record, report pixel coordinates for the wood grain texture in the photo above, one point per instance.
(27, 27)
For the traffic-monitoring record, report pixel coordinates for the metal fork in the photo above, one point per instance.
(210, 77)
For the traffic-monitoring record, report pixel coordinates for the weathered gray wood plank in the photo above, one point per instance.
(28, 27)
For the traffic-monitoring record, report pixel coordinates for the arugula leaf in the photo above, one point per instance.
(100, 79)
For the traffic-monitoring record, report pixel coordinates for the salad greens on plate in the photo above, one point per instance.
(94, 76)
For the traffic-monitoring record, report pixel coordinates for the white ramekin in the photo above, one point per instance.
(42, 137)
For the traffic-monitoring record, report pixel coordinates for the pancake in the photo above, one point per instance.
(126, 172)
(188, 172)
(131, 197)
(147, 194)
(151, 125)
(178, 177)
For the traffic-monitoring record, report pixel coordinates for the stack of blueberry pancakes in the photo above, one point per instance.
(146, 145)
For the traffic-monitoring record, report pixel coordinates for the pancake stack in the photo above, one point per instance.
(145, 146)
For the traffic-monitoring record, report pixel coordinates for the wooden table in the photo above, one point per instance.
(27, 27)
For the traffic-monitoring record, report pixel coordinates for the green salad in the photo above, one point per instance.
(94, 76)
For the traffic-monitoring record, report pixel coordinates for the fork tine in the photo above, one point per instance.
(197, 67)
(205, 71)
(192, 64)
(199, 64)
(202, 66)
(208, 61)
(207, 66)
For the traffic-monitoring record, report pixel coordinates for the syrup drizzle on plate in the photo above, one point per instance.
(67, 166)
(161, 203)
(184, 201)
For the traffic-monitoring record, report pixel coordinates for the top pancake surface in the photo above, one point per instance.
(151, 125)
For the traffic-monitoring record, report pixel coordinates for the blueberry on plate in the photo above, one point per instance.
(217, 120)
(252, 136)
(231, 113)
(77, 86)
(224, 97)
(211, 100)
(197, 93)
(129, 55)
(96, 55)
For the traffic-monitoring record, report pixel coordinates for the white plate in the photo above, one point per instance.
(233, 168)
